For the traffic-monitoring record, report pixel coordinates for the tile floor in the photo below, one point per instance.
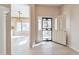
(20, 46)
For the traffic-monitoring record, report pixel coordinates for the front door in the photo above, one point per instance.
(46, 28)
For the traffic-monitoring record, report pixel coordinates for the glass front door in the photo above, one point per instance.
(47, 29)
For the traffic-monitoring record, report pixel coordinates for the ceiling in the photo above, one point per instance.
(9, 5)
(51, 4)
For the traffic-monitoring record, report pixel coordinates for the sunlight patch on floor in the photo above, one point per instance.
(23, 42)
(38, 44)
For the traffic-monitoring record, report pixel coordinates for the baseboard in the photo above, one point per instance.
(73, 48)
(59, 43)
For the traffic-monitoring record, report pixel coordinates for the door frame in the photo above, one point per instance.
(4, 11)
(40, 18)
(49, 28)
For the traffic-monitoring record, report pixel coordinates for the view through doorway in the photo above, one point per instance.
(44, 29)
(47, 28)
(20, 28)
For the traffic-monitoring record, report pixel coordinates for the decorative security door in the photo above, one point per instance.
(47, 29)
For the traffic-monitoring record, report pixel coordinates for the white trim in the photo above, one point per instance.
(4, 33)
(4, 15)
(73, 48)
(4, 11)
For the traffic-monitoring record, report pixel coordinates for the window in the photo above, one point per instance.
(18, 27)
(21, 27)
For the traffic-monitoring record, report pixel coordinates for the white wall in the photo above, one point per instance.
(75, 27)
(72, 25)
(1, 33)
(66, 11)
(45, 10)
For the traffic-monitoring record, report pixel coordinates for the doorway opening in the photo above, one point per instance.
(20, 28)
(45, 29)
